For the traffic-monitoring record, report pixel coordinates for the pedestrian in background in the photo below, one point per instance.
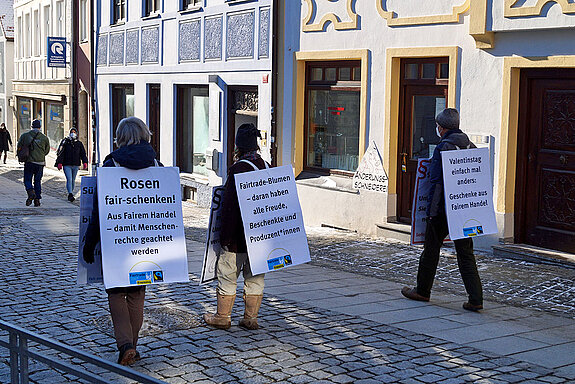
(5, 141)
(452, 138)
(234, 257)
(71, 154)
(126, 303)
(39, 147)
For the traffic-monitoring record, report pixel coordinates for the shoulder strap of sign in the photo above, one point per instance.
(253, 165)
(116, 164)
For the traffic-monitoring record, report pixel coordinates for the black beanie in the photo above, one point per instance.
(448, 118)
(247, 137)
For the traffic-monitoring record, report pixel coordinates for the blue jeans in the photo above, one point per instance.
(36, 171)
(70, 171)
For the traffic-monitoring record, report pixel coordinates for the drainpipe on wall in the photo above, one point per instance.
(95, 151)
(275, 43)
(73, 62)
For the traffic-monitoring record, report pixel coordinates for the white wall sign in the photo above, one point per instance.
(370, 175)
(273, 222)
(213, 246)
(141, 226)
(468, 193)
(87, 273)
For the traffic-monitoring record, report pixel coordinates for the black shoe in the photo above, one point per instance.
(36, 202)
(71, 197)
(31, 197)
(127, 354)
(472, 307)
(411, 293)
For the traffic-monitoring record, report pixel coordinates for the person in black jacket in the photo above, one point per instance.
(234, 256)
(452, 138)
(5, 141)
(70, 155)
(126, 303)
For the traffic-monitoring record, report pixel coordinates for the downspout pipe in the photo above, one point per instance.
(275, 43)
(93, 93)
(74, 62)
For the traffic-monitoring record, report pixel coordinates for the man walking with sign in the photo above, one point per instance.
(452, 138)
(234, 256)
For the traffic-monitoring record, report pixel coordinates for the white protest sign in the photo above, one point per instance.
(370, 175)
(213, 246)
(87, 273)
(420, 197)
(141, 226)
(468, 193)
(273, 222)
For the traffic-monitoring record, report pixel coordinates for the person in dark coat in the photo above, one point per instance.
(234, 257)
(452, 138)
(70, 155)
(5, 141)
(126, 303)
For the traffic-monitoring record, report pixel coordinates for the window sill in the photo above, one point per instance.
(119, 23)
(187, 177)
(191, 10)
(151, 16)
(232, 2)
(331, 182)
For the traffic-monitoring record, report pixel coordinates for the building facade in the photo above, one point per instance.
(193, 70)
(6, 64)
(83, 74)
(42, 92)
(379, 71)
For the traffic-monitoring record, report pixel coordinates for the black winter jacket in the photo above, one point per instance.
(5, 139)
(453, 139)
(232, 228)
(71, 152)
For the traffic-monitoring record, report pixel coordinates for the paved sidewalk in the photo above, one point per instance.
(319, 324)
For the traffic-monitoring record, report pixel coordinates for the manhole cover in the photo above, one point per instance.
(156, 321)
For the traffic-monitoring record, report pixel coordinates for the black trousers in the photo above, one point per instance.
(435, 233)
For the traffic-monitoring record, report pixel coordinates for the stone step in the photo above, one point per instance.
(397, 231)
(534, 254)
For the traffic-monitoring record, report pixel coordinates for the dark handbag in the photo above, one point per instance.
(23, 152)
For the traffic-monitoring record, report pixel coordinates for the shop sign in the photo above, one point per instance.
(370, 175)
(56, 52)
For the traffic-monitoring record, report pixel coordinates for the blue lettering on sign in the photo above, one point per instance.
(56, 52)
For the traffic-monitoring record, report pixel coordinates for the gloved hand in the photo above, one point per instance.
(88, 252)
(85, 165)
(59, 167)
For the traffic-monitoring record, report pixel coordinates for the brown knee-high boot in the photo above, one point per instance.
(222, 319)
(250, 320)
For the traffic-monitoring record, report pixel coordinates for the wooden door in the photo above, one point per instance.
(417, 138)
(154, 116)
(545, 183)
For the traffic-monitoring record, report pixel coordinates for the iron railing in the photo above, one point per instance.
(20, 353)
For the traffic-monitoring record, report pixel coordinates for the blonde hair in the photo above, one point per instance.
(132, 130)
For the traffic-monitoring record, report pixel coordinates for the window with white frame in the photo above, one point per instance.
(26, 39)
(37, 33)
(60, 19)
(189, 4)
(47, 27)
(119, 11)
(84, 21)
(151, 7)
(20, 50)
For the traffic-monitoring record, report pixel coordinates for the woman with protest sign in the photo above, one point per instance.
(126, 303)
(234, 257)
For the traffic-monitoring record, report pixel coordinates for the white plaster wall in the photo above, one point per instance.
(552, 17)
(479, 86)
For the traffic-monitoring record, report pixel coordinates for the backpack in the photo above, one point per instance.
(23, 152)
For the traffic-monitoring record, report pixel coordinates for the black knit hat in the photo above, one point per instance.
(448, 118)
(247, 137)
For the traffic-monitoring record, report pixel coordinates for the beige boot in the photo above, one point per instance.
(222, 319)
(250, 320)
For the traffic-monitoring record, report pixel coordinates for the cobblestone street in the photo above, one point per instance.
(339, 319)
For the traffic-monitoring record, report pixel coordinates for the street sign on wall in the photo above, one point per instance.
(57, 52)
